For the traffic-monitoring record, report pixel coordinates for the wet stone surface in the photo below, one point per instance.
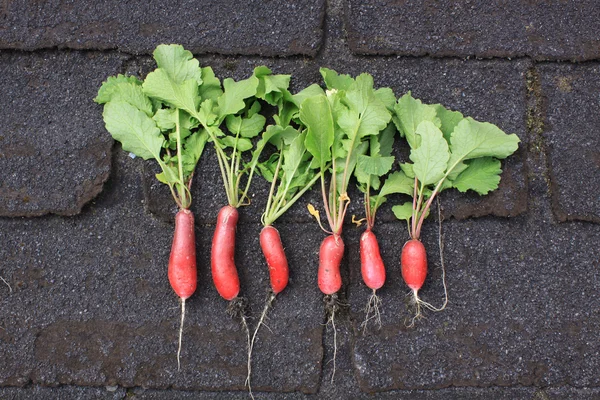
(571, 102)
(555, 30)
(54, 150)
(138, 26)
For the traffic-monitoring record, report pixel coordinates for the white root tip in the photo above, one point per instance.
(372, 311)
(180, 335)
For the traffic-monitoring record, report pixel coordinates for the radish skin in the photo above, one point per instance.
(414, 264)
(330, 257)
(182, 262)
(371, 264)
(224, 272)
(272, 248)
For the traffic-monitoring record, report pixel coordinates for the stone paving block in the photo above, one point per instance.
(553, 30)
(54, 150)
(207, 26)
(571, 96)
(515, 315)
(91, 304)
(491, 91)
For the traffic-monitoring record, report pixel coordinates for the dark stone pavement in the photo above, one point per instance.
(85, 231)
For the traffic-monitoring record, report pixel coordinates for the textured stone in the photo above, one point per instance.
(514, 316)
(91, 306)
(554, 30)
(54, 150)
(571, 135)
(207, 26)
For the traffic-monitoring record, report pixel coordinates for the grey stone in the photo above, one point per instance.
(514, 317)
(100, 311)
(54, 150)
(253, 27)
(571, 101)
(554, 30)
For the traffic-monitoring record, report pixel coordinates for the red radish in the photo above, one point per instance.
(224, 272)
(330, 257)
(371, 264)
(414, 264)
(270, 243)
(182, 264)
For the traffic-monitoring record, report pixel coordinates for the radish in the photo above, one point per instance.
(339, 124)
(447, 150)
(330, 257)
(182, 264)
(272, 248)
(291, 175)
(224, 272)
(376, 161)
(156, 119)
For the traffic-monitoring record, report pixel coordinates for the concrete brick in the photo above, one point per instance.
(514, 316)
(571, 136)
(554, 30)
(54, 150)
(138, 26)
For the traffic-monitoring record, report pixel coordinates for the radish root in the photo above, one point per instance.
(418, 302)
(332, 305)
(7, 284)
(180, 335)
(373, 306)
(238, 308)
(261, 321)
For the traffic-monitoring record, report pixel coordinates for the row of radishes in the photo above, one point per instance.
(316, 135)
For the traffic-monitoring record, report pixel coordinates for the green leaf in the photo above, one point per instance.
(370, 111)
(136, 131)
(374, 165)
(165, 119)
(333, 80)
(387, 97)
(315, 113)
(211, 85)
(309, 91)
(179, 64)
(232, 99)
(192, 150)
(473, 139)
(169, 175)
(397, 182)
(271, 87)
(407, 168)
(112, 85)
(383, 144)
(293, 156)
(242, 144)
(245, 127)
(431, 157)
(410, 112)
(482, 175)
(183, 95)
(403, 211)
(448, 119)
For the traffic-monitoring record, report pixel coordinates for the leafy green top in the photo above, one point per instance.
(447, 151)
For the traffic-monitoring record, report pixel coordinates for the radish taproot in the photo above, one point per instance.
(376, 161)
(151, 122)
(339, 123)
(447, 150)
(222, 255)
(182, 263)
(290, 172)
